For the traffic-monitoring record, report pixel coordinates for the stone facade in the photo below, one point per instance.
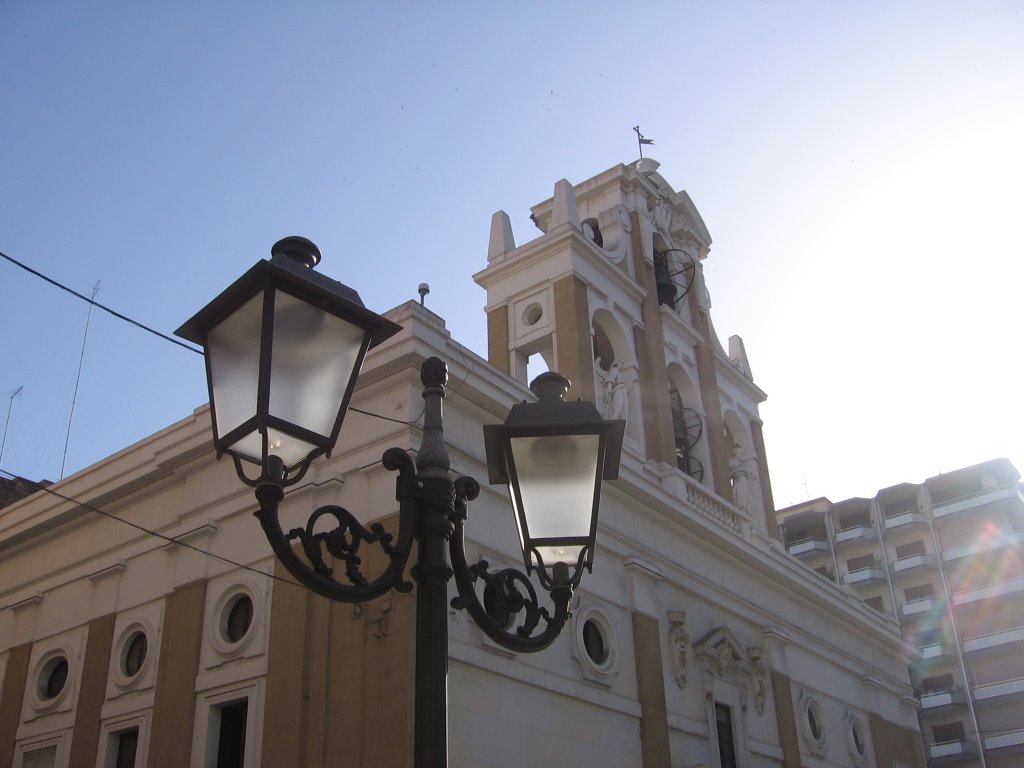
(697, 640)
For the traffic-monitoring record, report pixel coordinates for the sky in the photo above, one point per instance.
(858, 165)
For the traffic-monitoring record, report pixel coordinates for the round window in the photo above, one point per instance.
(858, 740)
(134, 654)
(238, 618)
(533, 314)
(593, 642)
(52, 678)
(813, 724)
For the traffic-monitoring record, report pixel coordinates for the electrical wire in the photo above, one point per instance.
(94, 303)
(147, 531)
(165, 337)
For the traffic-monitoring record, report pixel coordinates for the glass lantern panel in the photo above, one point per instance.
(557, 477)
(290, 449)
(234, 351)
(569, 554)
(314, 357)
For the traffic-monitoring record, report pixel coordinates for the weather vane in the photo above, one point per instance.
(641, 140)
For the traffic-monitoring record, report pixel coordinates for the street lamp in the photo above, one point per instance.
(283, 348)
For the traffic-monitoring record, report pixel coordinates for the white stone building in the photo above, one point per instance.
(696, 641)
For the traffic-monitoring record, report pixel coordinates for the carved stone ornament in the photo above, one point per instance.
(759, 675)
(663, 216)
(679, 645)
(726, 657)
(721, 656)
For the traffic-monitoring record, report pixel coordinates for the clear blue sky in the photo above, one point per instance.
(859, 166)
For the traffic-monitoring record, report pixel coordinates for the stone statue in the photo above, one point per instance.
(614, 396)
(743, 470)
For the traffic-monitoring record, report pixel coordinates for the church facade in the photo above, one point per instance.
(696, 641)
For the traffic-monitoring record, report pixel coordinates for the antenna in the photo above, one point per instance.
(424, 289)
(78, 378)
(10, 405)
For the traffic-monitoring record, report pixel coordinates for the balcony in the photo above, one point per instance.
(989, 691)
(934, 605)
(977, 546)
(951, 753)
(1005, 741)
(936, 652)
(994, 639)
(903, 520)
(978, 501)
(808, 548)
(911, 565)
(936, 700)
(858, 534)
(999, 589)
(864, 576)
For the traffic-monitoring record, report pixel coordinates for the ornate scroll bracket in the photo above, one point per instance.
(679, 646)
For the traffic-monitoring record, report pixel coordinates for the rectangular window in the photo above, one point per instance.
(909, 550)
(227, 725)
(937, 684)
(899, 506)
(919, 592)
(726, 742)
(947, 732)
(928, 637)
(40, 758)
(958, 491)
(855, 520)
(126, 745)
(860, 563)
(876, 603)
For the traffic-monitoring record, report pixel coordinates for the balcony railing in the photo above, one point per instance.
(986, 691)
(994, 639)
(977, 546)
(912, 564)
(976, 501)
(936, 651)
(1005, 740)
(808, 547)
(951, 752)
(922, 606)
(998, 589)
(933, 700)
(903, 520)
(854, 534)
(864, 576)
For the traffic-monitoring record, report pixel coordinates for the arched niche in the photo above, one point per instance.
(615, 373)
(689, 425)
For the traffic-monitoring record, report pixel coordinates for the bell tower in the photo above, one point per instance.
(612, 294)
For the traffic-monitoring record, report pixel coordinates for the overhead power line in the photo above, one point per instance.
(92, 302)
(95, 303)
(143, 529)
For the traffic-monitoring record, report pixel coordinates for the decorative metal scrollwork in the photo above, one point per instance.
(342, 542)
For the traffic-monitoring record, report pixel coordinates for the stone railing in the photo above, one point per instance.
(712, 507)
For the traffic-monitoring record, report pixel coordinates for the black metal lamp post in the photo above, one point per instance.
(283, 347)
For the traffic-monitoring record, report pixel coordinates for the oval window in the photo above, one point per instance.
(134, 654)
(238, 619)
(53, 678)
(593, 642)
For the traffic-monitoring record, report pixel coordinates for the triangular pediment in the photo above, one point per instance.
(720, 650)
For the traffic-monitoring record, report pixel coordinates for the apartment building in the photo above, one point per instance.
(945, 558)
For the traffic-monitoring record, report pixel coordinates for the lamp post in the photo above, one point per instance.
(283, 347)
